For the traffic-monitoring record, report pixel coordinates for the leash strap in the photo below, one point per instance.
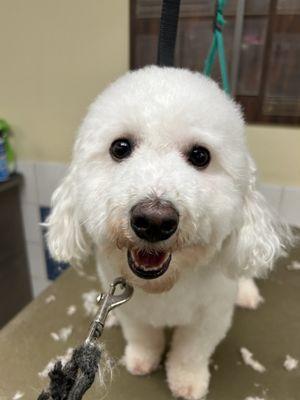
(218, 46)
(76, 377)
(167, 32)
(71, 381)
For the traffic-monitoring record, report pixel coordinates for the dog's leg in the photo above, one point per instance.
(248, 294)
(188, 361)
(145, 345)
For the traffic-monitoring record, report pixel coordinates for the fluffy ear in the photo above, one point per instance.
(66, 238)
(262, 237)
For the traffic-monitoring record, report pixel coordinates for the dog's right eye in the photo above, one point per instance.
(120, 148)
(199, 156)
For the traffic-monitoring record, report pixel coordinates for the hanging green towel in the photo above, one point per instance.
(218, 46)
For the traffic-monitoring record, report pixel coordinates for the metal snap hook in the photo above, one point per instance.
(107, 302)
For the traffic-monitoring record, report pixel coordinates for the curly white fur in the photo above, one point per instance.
(225, 229)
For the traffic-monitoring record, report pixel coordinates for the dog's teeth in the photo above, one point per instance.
(147, 267)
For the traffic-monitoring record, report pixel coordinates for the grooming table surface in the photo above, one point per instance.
(270, 333)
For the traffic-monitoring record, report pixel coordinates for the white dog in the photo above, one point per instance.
(162, 188)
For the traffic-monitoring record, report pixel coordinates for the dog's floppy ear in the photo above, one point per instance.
(262, 237)
(66, 238)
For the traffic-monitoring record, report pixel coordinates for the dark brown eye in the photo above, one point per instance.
(199, 156)
(121, 148)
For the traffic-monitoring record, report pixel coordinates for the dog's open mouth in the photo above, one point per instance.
(148, 265)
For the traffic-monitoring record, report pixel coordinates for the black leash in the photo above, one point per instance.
(70, 382)
(167, 32)
(76, 377)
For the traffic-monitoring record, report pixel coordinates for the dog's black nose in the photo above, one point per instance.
(154, 220)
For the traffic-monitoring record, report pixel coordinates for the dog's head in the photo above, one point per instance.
(161, 169)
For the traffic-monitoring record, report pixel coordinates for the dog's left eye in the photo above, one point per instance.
(121, 148)
(199, 156)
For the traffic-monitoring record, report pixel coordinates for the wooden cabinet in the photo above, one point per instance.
(15, 288)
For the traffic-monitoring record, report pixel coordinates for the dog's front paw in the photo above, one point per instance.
(248, 294)
(187, 381)
(140, 360)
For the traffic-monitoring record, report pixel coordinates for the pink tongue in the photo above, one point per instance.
(149, 259)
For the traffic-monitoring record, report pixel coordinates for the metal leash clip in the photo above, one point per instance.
(107, 302)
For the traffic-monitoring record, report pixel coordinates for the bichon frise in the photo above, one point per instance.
(162, 188)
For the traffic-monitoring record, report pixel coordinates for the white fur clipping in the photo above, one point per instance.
(294, 266)
(71, 309)
(50, 299)
(63, 334)
(254, 398)
(106, 368)
(18, 395)
(290, 363)
(90, 302)
(248, 359)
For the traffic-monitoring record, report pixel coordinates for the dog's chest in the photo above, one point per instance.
(185, 303)
(175, 307)
(190, 296)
